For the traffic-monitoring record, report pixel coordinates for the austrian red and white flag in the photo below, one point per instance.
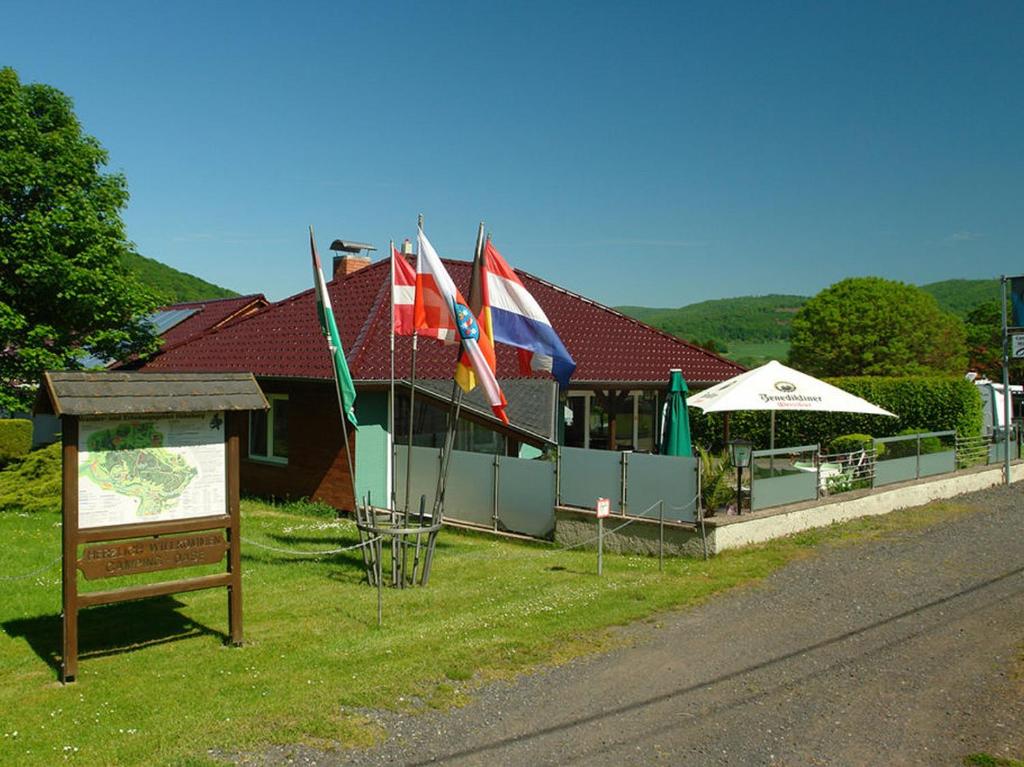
(439, 304)
(432, 313)
(403, 293)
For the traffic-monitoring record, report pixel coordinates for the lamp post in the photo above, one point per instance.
(740, 450)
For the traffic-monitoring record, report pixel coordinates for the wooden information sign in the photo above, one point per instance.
(150, 476)
(109, 560)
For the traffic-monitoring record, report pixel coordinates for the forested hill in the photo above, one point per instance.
(175, 287)
(754, 329)
(960, 296)
(748, 318)
(767, 318)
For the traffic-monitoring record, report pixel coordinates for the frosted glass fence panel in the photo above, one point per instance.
(997, 452)
(914, 455)
(889, 470)
(937, 463)
(668, 478)
(425, 463)
(526, 496)
(781, 476)
(469, 493)
(586, 475)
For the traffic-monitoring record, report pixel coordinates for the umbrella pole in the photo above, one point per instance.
(700, 514)
(771, 446)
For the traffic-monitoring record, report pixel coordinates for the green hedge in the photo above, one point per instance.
(929, 402)
(909, 447)
(15, 438)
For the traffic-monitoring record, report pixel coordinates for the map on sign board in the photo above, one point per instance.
(135, 470)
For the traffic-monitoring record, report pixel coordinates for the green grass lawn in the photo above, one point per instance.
(755, 353)
(158, 685)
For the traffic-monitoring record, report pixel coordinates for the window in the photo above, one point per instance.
(430, 427)
(268, 431)
(587, 423)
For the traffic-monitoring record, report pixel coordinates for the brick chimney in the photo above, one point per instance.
(348, 263)
(350, 257)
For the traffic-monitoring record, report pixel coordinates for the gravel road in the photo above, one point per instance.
(895, 651)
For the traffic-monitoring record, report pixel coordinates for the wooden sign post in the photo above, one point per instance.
(150, 476)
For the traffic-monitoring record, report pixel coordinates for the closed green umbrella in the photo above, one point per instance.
(675, 422)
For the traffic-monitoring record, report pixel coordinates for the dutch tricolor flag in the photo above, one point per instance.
(518, 320)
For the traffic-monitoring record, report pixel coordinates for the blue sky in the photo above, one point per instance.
(641, 153)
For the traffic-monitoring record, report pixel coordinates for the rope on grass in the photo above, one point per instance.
(293, 553)
(33, 573)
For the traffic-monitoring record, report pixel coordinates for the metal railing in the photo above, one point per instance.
(843, 472)
(775, 478)
(972, 451)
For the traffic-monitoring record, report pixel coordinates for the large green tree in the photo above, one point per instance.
(984, 326)
(64, 291)
(873, 326)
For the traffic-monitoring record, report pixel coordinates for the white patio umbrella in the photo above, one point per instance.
(774, 387)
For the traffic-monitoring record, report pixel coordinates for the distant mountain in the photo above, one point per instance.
(174, 287)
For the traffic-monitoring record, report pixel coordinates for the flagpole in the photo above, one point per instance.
(391, 399)
(457, 393)
(341, 408)
(412, 399)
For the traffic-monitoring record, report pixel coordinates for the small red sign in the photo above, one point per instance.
(604, 508)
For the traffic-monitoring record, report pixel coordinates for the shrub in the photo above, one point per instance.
(715, 477)
(34, 483)
(15, 439)
(908, 447)
(851, 443)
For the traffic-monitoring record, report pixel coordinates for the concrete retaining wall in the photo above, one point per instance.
(733, 532)
(573, 528)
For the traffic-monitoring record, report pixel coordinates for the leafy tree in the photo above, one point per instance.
(64, 291)
(984, 325)
(873, 326)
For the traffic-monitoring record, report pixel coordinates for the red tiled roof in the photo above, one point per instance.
(284, 340)
(211, 314)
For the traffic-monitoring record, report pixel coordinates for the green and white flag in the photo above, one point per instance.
(324, 312)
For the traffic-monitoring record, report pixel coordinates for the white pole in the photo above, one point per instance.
(391, 393)
(1006, 387)
(412, 402)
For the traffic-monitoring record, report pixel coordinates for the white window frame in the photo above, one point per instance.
(270, 435)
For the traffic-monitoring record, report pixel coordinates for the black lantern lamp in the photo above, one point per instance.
(740, 451)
